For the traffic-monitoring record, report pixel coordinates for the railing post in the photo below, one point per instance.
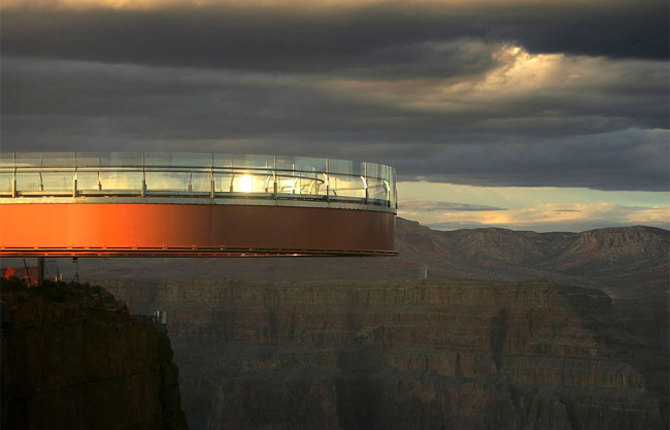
(74, 183)
(143, 190)
(74, 177)
(14, 183)
(364, 178)
(387, 187)
(212, 184)
(327, 180)
(274, 178)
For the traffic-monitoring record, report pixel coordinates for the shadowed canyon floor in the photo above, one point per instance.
(418, 354)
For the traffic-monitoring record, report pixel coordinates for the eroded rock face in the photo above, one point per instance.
(404, 355)
(74, 358)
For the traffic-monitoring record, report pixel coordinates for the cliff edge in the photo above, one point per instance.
(74, 358)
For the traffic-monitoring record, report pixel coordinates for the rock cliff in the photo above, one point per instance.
(420, 354)
(74, 358)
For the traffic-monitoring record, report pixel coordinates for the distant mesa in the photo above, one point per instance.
(193, 205)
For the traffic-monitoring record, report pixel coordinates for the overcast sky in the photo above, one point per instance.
(536, 115)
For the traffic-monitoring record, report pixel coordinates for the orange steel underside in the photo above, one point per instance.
(190, 230)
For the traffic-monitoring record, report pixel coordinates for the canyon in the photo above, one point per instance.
(468, 329)
(404, 354)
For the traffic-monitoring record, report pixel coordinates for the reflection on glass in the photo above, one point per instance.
(89, 181)
(244, 184)
(56, 181)
(347, 186)
(182, 182)
(6, 179)
(121, 181)
(377, 189)
(28, 182)
(212, 175)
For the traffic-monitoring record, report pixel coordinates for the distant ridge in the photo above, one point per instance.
(623, 261)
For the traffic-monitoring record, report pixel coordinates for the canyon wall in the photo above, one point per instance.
(74, 358)
(418, 354)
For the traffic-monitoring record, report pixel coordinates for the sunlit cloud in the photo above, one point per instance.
(530, 208)
(557, 81)
(545, 217)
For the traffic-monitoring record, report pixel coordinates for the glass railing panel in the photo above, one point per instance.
(36, 159)
(244, 161)
(263, 162)
(346, 186)
(88, 181)
(179, 182)
(91, 159)
(394, 192)
(379, 171)
(165, 173)
(288, 177)
(286, 163)
(57, 159)
(346, 167)
(121, 159)
(308, 164)
(121, 181)
(60, 182)
(167, 159)
(287, 183)
(6, 179)
(378, 189)
(302, 184)
(44, 159)
(313, 184)
(28, 182)
(7, 159)
(200, 182)
(223, 161)
(301, 164)
(371, 170)
(256, 183)
(158, 159)
(222, 182)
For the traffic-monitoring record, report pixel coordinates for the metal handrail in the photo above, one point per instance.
(310, 181)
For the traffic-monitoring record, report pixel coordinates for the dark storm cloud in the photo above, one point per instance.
(622, 160)
(390, 40)
(610, 134)
(439, 91)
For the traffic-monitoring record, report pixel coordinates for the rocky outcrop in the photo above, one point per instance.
(404, 355)
(74, 358)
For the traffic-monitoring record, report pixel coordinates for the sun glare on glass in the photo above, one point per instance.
(245, 184)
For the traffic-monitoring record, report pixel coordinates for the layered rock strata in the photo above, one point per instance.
(403, 355)
(74, 358)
